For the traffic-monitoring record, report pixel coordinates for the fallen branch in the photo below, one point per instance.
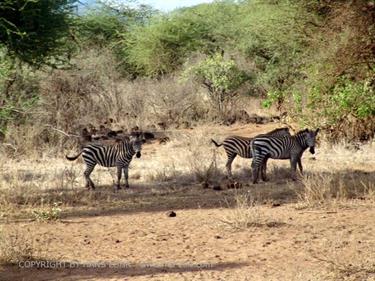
(62, 132)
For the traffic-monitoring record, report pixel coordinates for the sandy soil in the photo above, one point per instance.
(196, 245)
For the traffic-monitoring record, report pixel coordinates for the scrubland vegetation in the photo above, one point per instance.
(208, 71)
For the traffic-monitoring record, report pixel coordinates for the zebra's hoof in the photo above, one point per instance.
(127, 186)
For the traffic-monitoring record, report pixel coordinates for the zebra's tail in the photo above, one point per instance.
(73, 157)
(215, 143)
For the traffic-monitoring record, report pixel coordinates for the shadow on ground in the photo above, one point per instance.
(80, 271)
(166, 196)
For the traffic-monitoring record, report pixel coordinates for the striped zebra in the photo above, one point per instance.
(118, 155)
(241, 146)
(281, 147)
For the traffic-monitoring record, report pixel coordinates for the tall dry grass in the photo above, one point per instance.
(18, 244)
(327, 189)
(246, 213)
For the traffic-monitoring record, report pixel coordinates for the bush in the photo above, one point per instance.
(221, 77)
(19, 95)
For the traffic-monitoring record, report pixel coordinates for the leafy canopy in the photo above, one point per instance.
(36, 31)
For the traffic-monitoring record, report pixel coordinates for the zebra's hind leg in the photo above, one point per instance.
(231, 157)
(255, 168)
(264, 170)
(126, 174)
(119, 171)
(87, 173)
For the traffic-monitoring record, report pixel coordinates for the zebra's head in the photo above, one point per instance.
(310, 136)
(136, 141)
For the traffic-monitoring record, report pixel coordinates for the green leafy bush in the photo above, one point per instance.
(221, 77)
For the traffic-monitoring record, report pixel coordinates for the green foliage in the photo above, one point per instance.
(51, 214)
(221, 76)
(351, 98)
(18, 95)
(5, 68)
(273, 35)
(106, 25)
(36, 31)
(163, 45)
(272, 98)
(304, 57)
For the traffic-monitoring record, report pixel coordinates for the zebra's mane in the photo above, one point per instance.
(302, 132)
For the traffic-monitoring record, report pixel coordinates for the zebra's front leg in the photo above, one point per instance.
(299, 162)
(119, 171)
(293, 166)
(87, 173)
(126, 174)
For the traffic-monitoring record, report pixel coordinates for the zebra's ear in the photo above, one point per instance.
(317, 130)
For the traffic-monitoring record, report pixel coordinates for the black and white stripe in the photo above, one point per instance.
(118, 155)
(281, 147)
(241, 146)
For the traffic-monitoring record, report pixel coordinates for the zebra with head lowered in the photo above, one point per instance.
(281, 147)
(241, 146)
(117, 155)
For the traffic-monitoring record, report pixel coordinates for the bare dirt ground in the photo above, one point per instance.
(277, 235)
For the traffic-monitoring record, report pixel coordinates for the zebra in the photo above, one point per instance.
(117, 155)
(241, 146)
(281, 147)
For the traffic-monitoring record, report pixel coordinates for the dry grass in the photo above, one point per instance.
(344, 260)
(17, 245)
(247, 213)
(334, 175)
(331, 189)
(189, 158)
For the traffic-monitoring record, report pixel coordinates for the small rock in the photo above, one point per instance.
(171, 214)
(118, 241)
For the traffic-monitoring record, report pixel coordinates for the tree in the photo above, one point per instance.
(35, 31)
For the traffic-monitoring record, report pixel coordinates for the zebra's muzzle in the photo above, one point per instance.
(312, 150)
(138, 154)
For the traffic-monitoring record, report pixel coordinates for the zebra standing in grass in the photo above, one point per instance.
(241, 146)
(282, 147)
(118, 155)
